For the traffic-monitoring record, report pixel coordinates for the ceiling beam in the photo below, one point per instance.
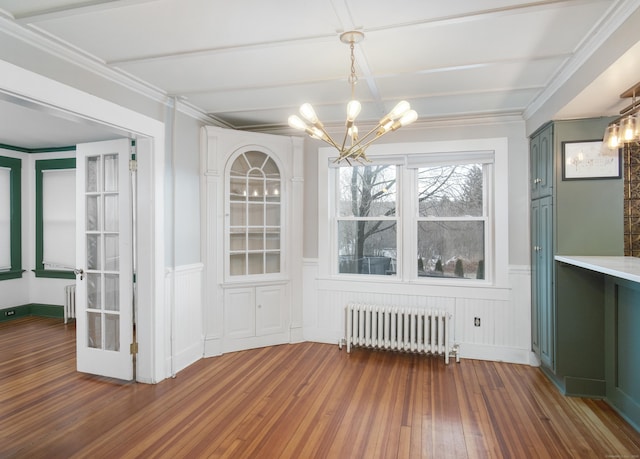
(86, 7)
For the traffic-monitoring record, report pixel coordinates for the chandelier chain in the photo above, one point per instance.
(353, 78)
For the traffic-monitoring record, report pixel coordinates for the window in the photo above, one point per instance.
(254, 189)
(451, 221)
(430, 216)
(367, 219)
(10, 218)
(55, 218)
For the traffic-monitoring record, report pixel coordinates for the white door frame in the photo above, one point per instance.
(51, 95)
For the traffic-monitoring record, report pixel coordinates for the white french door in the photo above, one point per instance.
(104, 259)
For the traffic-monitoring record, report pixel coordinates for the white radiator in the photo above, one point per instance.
(69, 302)
(394, 328)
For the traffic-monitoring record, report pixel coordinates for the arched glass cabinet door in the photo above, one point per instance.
(254, 187)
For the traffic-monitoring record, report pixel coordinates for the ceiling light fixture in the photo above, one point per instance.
(625, 128)
(401, 115)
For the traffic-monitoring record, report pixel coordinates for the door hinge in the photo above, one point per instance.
(133, 348)
(133, 165)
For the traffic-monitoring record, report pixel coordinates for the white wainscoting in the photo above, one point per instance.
(504, 333)
(187, 330)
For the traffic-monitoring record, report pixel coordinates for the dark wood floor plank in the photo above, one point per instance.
(306, 400)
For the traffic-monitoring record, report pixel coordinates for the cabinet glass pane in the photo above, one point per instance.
(111, 218)
(256, 189)
(237, 188)
(272, 240)
(237, 264)
(111, 172)
(237, 241)
(94, 291)
(273, 262)
(255, 241)
(93, 251)
(238, 215)
(94, 330)
(273, 215)
(111, 255)
(256, 159)
(112, 332)
(93, 174)
(272, 192)
(270, 169)
(112, 292)
(256, 214)
(256, 263)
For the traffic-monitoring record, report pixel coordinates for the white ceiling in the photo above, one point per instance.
(250, 63)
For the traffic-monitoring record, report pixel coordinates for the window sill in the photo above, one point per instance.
(11, 274)
(54, 274)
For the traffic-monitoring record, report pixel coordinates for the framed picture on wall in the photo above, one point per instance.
(587, 159)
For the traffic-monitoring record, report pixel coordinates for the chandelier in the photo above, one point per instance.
(353, 147)
(625, 128)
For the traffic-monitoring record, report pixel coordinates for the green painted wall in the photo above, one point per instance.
(588, 213)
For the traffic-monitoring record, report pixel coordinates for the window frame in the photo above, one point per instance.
(42, 165)
(411, 155)
(15, 218)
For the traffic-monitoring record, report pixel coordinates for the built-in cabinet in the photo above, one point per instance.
(568, 217)
(253, 256)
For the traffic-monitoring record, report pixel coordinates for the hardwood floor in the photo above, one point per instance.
(294, 401)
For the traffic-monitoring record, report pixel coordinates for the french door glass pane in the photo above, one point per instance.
(111, 255)
(112, 332)
(94, 291)
(111, 172)
(112, 292)
(111, 218)
(93, 251)
(93, 174)
(93, 213)
(94, 330)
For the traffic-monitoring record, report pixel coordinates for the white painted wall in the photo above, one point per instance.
(505, 310)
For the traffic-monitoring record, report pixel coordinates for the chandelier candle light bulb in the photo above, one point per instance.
(401, 115)
(625, 129)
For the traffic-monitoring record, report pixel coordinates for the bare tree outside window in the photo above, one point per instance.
(451, 221)
(367, 219)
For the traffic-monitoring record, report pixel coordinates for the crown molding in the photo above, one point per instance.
(38, 38)
(616, 17)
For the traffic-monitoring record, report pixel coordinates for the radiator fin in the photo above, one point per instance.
(423, 331)
(69, 302)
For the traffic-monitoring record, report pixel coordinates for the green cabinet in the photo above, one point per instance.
(542, 279)
(568, 217)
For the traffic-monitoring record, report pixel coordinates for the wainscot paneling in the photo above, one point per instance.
(187, 330)
(504, 313)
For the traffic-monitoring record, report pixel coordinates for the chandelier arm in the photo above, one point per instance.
(328, 139)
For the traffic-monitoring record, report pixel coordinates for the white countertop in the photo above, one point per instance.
(623, 267)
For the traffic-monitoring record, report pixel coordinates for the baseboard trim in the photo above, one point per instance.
(32, 309)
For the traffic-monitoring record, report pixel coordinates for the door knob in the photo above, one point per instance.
(79, 272)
